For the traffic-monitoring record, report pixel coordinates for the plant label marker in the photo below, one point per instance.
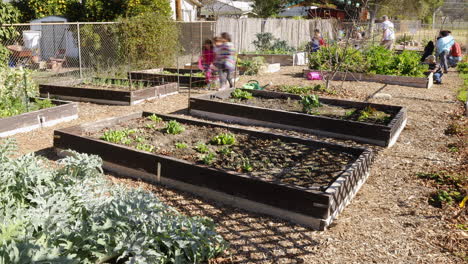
(158, 172)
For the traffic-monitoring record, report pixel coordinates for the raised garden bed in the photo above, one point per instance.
(418, 82)
(109, 91)
(307, 182)
(337, 118)
(181, 76)
(62, 112)
(298, 58)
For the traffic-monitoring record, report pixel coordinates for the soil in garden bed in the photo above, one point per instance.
(114, 85)
(368, 115)
(269, 160)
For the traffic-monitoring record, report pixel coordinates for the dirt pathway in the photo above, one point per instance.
(389, 221)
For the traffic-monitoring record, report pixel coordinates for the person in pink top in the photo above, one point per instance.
(207, 58)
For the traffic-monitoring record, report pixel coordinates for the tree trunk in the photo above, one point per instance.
(178, 8)
(373, 14)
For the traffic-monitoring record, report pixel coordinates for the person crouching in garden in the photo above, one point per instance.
(224, 60)
(207, 60)
(455, 55)
(444, 44)
(435, 68)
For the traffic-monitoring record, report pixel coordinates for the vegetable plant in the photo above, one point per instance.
(117, 136)
(302, 90)
(71, 213)
(251, 66)
(226, 151)
(310, 103)
(246, 165)
(241, 94)
(208, 158)
(155, 118)
(266, 43)
(181, 145)
(223, 139)
(145, 147)
(173, 127)
(202, 148)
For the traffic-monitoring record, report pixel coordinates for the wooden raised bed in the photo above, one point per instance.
(377, 134)
(313, 207)
(418, 82)
(62, 112)
(299, 58)
(68, 91)
(183, 80)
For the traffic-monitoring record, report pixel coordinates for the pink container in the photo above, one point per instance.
(314, 76)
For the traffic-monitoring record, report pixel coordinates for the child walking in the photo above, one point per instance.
(224, 59)
(207, 59)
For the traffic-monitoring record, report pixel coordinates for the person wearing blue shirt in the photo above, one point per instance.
(444, 44)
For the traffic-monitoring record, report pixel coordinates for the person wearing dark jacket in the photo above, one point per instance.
(428, 50)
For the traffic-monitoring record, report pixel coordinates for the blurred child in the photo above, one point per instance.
(455, 55)
(224, 59)
(317, 41)
(435, 68)
(207, 59)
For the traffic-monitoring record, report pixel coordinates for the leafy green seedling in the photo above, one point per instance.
(145, 147)
(209, 158)
(202, 148)
(241, 94)
(139, 139)
(173, 127)
(181, 145)
(310, 102)
(150, 126)
(246, 165)
(226, 151)
(155, 118)
(223, 139)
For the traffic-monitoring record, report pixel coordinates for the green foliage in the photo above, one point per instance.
(32, 9)
(194, 74)
(226, 151)
(253, 66)
(181, 145)
(266, 42)
(334, 57)
(202, 148)
(462, 67)
(145, 147)
(118, 136)
(223, 139)
(173, 127)
(246, 165)
(16, 87)
(310, 103)
(241, 94)
(374, 60)
(43, 103)
(267, 8)
(208, 158)
(4, 55)
(303, 90)
(8, 15)
(148, 40)
(155, 118)
(445, 197)
(369, 113)
(71, 213)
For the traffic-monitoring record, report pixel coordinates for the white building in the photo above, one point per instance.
(189, 9)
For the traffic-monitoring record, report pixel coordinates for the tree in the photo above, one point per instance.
(267, 8)
(32, 9)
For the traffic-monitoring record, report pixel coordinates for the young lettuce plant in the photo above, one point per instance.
(173, 127)
(241, 94)
(310, 103)
(223, 139)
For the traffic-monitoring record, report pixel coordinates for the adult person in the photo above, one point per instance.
(444, 44)
(388, 33)
(428, 50)
(455, 55)
(224, 59)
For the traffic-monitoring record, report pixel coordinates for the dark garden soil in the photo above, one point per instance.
(328, 110)
(269, 160)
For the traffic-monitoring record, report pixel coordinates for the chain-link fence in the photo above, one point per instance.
(78, 50)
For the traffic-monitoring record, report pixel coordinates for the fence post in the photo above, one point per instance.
(79, 49)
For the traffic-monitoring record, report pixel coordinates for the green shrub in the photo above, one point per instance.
(16, 87)
(266, 43)
(374, 60)
(72, 213)
(8, 15)
(462, 67)
(148, 40)
(253, 66)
